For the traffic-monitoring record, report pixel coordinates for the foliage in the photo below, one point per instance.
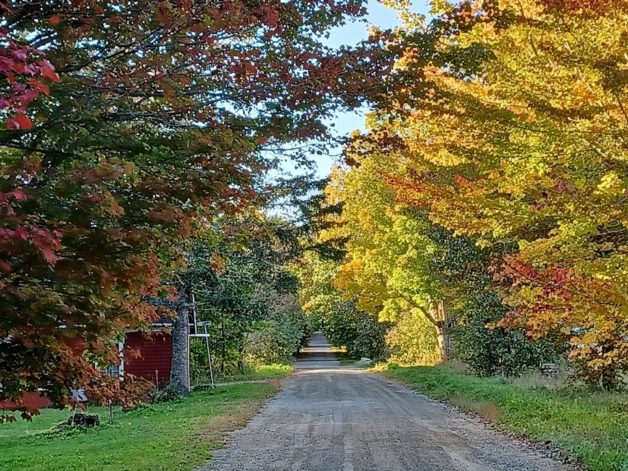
(588, 426)
(386, 252)
(125, 126)
(343, 322)
(412, 341)
(358, 331)
(245, 293)
(508, 123)
(159, 436)
(313, 214)
(129, 393)
(395, 262)
(167, 394)
(27, 74)
(275, 341)
(497, 351)
(386, 264)
(463, 270)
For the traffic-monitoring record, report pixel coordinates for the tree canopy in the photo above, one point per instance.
(126, 125)
(503, 125)
(485, 201)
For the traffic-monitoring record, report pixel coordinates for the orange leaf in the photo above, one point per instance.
(21, 121)
(54, 20)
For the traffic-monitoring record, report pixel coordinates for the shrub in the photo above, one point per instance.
(362, 335)
(496, 351)
(129, 393)
(412, 341)
(274, 342)
(167, 394)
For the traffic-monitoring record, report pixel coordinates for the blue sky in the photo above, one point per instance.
(351, 34)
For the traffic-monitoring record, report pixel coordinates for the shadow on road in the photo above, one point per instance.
(319, 354)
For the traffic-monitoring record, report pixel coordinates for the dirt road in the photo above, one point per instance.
(333, 418)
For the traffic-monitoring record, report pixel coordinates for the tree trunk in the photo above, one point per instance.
(180, 371)
(437, 311)
(241, 365)
(442, 343)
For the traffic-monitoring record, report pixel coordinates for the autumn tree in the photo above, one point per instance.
(465, 273)
(510, 118)
(387, 263)
(400, 267)
(123, 124)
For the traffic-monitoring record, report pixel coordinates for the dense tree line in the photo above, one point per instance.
(488, 197)
(482, 214)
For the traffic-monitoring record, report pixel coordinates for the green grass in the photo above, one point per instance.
(170, 436)
(592, 427)
(259, 372)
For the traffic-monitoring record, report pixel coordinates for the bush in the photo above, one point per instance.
(129, 393)
(369, 340)
(362, 335)
(167, 394)
(496, 351)
(274, 342)
(412, 341)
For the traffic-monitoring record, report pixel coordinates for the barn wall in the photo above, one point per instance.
(31, 399)
(149, 355)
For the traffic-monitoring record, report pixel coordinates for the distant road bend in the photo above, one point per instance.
(333, 418)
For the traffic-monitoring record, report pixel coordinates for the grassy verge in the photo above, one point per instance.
(172, 436)
(592, 427)
(259, 372)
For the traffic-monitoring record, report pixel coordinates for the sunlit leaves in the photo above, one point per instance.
(125, 127)
(528, 149)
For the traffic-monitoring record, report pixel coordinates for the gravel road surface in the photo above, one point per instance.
(333, 418)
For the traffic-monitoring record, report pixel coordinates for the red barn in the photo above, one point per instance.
(148, 355)
(144, 354)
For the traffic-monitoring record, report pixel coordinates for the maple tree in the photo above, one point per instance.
(387, 263)
(400, 267)
(465, 272)
(124, 125)
(509, 118)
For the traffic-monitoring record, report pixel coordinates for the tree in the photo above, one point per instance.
(125, 124)
(386, 267)
(510, 119)
(239, 276)
(465, 273)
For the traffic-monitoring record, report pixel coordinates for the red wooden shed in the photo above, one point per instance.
(144, 354)
(148, 355)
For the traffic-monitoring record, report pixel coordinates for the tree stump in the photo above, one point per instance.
(83, 420)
